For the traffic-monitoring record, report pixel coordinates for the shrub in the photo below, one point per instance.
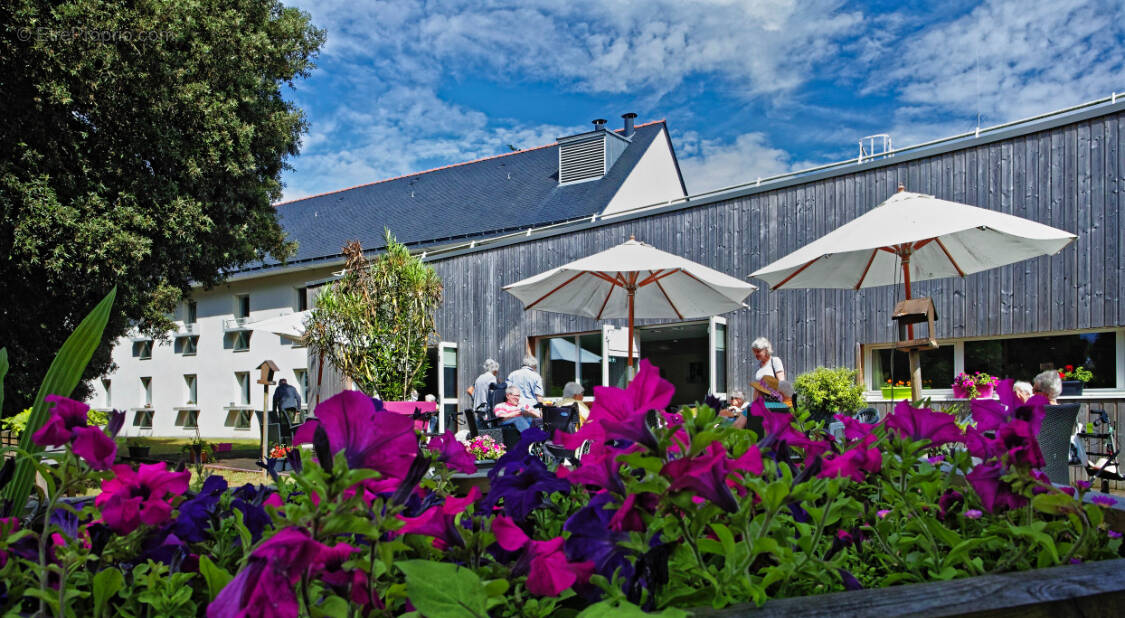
(824, 392)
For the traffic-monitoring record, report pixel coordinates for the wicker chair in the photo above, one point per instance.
(1054, 440)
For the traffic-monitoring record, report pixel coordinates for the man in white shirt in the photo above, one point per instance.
(529, 381)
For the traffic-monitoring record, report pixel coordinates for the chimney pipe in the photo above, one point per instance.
(629, 130)
(599, 124)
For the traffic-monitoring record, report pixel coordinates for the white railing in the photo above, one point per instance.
(236, 324)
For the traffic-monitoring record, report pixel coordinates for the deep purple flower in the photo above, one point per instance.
(855, 430)
(599, 468)
(382, 441)
(515, 457)
(519, 488)
(195, 517)
(995, 494)
(1103, 500)
(1113, 534)
(440, 522)
(592, 540)
(252, 500)
(950, 499)
(1083, 485)
(139, 496)
(622, 413)
(705, 475)
(452, 453)
(264, 587)
(849, 580)
(924, 424)
(67, 424)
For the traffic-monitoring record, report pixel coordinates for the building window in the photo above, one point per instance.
(301, 377)
(146, 391)
(302, 299)
(243, 380)
(239, 340)
(192, 312)
(188, 419)
(572, 358)
(142, 349)
(186, 345)
(242, 418)
(107, 386)
(190, 388)
(242, 306)
(1022, 358)
(142, 419)
(890, 366)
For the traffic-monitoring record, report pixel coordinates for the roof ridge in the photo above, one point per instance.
(444, 167)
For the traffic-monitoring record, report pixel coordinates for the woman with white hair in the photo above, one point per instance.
(479, 390)
(1048, 384)
(573, 392)
(528, 380)
(512, 412)
(768, 364)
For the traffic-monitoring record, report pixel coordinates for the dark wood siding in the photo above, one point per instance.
(1069, 177)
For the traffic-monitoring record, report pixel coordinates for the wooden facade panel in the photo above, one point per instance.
(1071, 178)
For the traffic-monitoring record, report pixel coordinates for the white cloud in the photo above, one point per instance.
(713, 164)
(1006, 59)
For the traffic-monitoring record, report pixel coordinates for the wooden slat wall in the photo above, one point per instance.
(1069, 177)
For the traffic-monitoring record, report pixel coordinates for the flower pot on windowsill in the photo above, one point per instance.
(1072, 387)
(896, 392)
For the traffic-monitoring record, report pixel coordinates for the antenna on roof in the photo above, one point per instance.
(412, 181)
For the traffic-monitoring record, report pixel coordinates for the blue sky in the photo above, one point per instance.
(748, 89)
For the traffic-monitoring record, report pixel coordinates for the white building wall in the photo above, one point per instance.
(653, 181)
(214, 363)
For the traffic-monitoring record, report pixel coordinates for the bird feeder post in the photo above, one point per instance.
(906, 314)
(267, 369)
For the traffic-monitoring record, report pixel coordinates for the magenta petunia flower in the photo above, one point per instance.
(67, 424)
(750, 461)
(599, 468)
(973, 514)
(141, 496)
(855, 430)
(264, 587)
(1082, 485)
(881, 514)
(440, 522)
(621, 413)
(551, 572)
(1103, 500)
(705, 474)
(995, 494)
(452, 453)
(855, 463)
(378, 440)
(924, 424)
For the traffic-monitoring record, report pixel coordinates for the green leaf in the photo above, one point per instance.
(496, 587)
(106, 585)
(441, 589)
(217, 577)
(1053, 504)
(63, 375)
(330, 607)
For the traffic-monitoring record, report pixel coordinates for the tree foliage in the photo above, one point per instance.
(142, 146)
(375, 323)
(824, 392)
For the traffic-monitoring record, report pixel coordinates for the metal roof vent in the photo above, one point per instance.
(589, 156)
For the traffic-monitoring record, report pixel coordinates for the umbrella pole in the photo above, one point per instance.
(629, 370)
(914, 360)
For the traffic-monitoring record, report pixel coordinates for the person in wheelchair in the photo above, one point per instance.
(512, 412)
(572, 396)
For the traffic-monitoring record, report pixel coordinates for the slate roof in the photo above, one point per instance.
(474, 199)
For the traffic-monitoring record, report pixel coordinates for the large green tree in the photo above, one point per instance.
(141, 144)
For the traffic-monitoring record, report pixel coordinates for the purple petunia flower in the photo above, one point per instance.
(882, 514)
(973, 514)
(621, 414)
(924, 424)
(599, 468)
(378, 440)
(67, 424)
(139, 496)
(550, 572)
(1103, 500)
(1083, 485)
(592, 540)
(194, 520)
(853, 429)
(855, 463)
(520, 489)
(950, 499)
(440, 522)
(1113, 534)
(452, 453)
(995, 493)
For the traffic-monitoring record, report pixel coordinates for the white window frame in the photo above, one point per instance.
(190, 346)
(712, 348)
(191, 384)
(442, 400)
(242, 379)
(958, 344)
(146, 391)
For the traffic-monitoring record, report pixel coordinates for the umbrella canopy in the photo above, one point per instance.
(290, 325)
(913, 237)
(632, 280)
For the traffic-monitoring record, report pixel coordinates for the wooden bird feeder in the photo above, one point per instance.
(268, 368)
(911, 312)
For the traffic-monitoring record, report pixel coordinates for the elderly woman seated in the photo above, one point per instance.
(511, 412)
(572, 396)
(736, 407)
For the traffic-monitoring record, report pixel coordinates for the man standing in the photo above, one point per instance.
(286, 399)
(479, 390)
(529, 381)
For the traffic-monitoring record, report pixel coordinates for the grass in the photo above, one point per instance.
(161, 448)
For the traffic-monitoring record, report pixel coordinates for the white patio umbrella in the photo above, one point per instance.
(291, 325)
(632, 280)
(913, 237)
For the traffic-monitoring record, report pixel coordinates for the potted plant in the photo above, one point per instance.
(138, 447)
(1074, 379)
(280, 453)
(978, 385)
(485, 449)
(896, 390)
(197, 451)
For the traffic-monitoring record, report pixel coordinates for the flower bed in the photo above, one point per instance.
(665, 512)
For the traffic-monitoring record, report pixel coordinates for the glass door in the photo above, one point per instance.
(447, 383)
(615, 352)
(717, 356)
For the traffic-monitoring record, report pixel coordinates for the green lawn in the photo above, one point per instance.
(162, 448)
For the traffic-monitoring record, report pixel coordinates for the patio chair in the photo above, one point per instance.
(564, 419)
(1054, 440)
